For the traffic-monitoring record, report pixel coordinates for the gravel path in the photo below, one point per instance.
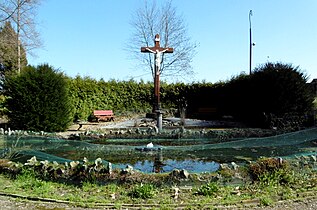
(8, 203)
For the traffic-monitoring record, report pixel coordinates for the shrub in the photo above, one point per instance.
(274, 89)
(265, 166)
(143, 191)
(38, 99)
(276, 177)
(210, 189)
(282, 90)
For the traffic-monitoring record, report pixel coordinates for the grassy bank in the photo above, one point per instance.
(261, 183)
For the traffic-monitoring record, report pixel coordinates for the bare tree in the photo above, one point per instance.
(163, 20)
(5, 15)
(22, 14)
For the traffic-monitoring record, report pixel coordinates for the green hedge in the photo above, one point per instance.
(122, 97)
(274, 89)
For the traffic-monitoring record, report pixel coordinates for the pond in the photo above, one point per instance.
(194, 155)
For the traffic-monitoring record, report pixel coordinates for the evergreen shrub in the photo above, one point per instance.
(38, 99)
(281, 88)
(273, 90)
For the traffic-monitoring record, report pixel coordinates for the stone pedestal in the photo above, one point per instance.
(159, 118)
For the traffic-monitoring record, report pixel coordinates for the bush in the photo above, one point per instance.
(277, 177)
(264, 166)
(274, 89)
(210, 189)
(38, 99)
(143, 191)
(282, 88)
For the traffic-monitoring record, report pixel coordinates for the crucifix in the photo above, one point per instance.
(158, 51)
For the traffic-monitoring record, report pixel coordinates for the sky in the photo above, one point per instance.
(89, 37)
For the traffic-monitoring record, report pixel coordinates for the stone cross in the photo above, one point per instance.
(158, 51)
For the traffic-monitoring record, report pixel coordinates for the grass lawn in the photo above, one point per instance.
(266, 189)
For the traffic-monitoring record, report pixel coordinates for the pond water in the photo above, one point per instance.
(194, 155)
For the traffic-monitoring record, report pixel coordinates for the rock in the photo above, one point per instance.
(55, 163)
(155, 129)
(143, 125)
(98, 161)
(184, 174)
(138, 131)
(175, 173)
(85, 160)
(44, 163)
(109, 168)
(128, 170)
(176, 192)
(32, 162)
(98, 165)
(149, 130)
(74, 164)
(179, 174)
(305, 158)
(314, 158)
(224, 166)
(234, 166)
(203, 132)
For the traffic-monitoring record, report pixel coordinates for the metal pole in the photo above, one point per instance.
(18, 36)
(159, 122)
(250, 14)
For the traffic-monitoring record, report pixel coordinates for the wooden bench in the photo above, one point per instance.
(206, 112)
(103, 115)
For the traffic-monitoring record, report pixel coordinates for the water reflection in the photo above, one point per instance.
(196, 166)
(158, 162)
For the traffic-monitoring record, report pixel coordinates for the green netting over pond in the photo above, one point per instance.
(166, 154)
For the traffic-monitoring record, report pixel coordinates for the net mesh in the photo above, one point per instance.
(135, 151)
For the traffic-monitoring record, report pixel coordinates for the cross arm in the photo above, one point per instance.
(167, 50)
(147, 49)
(155, 49)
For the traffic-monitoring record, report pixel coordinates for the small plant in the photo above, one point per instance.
(210, 189)
(143, 191)
(276, 178)
(266, 201)
(227, 174)
(27, 179)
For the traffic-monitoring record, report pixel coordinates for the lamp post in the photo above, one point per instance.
(251, 44)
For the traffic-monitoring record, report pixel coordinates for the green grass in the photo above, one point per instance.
(267, 190)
